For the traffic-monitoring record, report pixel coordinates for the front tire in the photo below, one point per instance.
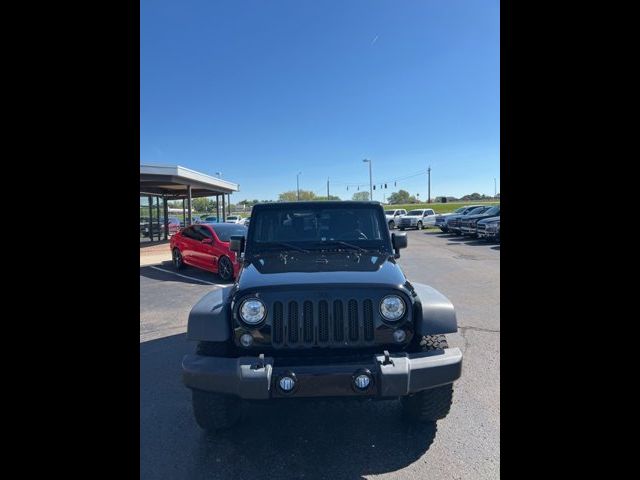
(215, 412)
(419, 225)
(432, 404)
(176, 256)
(392, 225)
(225, 269)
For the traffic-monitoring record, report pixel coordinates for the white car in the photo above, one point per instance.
(234, 219)
(393, 216)
(418, 219)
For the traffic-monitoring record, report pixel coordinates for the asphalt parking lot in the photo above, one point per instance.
(320, 439)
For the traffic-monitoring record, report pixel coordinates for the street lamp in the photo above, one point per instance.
(298, 184)
(370, 181)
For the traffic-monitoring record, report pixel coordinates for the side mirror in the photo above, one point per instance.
(207, 240)
(236, 243)
(398, 241)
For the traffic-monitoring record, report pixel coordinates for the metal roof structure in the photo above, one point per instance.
(174, 182)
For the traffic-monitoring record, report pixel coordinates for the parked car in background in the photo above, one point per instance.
(246, 221)
(489, 229)
(233, 219)
(468, 222)
(453, 221)
(392, 216)
(417, 219)
(206, 246)
(209, 219)
(174, 225)
(441, 218)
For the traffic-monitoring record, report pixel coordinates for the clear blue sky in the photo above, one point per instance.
(260, 90)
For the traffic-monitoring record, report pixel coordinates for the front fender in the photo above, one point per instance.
(209, 318)
(433, 312)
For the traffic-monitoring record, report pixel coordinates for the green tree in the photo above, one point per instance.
(401, 196)
(331, 197)
(203, 204)
(292, 196)
(361, 196)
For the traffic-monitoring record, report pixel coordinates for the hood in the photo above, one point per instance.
(490, 219)
(300, 269)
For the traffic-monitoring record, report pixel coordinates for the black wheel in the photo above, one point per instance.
(444, 230)
(225, 268)
(435, 403)
(177, 259)
(392, 225)
(215, 412)
(402, 229)
(419, 225)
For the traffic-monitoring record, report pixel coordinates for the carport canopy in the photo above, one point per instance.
(174, 182)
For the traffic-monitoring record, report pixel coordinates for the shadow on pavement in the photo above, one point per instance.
(288, 439)
(153, 274)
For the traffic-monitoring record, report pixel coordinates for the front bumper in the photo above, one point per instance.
(468, 230)
(250, 378)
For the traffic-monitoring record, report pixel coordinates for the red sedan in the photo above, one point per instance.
(206, 246)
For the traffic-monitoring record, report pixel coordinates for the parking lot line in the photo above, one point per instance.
(186, 276)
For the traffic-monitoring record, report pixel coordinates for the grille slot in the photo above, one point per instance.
(277, 323)
(338, 321)
(353, 320)
(323, 322)
(293, 322)
(307, 318)
(368, 320)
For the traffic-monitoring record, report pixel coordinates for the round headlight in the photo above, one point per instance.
(392, 307)
(252, 311)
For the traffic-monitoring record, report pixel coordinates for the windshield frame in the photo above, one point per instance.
(315, 246)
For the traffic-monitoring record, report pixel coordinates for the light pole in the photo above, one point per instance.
(495, 190)
(370, 181)
(298, 184)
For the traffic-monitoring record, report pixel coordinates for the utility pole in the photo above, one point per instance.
(298, 184)
(495, 191)
(327, 188)
(429, 191)
(370, 181)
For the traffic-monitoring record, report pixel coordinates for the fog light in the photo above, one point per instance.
(287, 383)
(362, 381)
(246, 340)
(399, 335)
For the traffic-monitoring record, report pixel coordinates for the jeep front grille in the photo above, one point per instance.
(314, 323)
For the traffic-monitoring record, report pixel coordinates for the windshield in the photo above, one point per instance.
(459, 210)
(232, 218)
(415, 212)
(224, 232)
(310, 227)
(389, 212)
(493, 211)
(476, 210)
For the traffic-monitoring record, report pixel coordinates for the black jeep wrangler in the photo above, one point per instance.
(320, 309)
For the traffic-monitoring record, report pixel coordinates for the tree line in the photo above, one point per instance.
(401, 197)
